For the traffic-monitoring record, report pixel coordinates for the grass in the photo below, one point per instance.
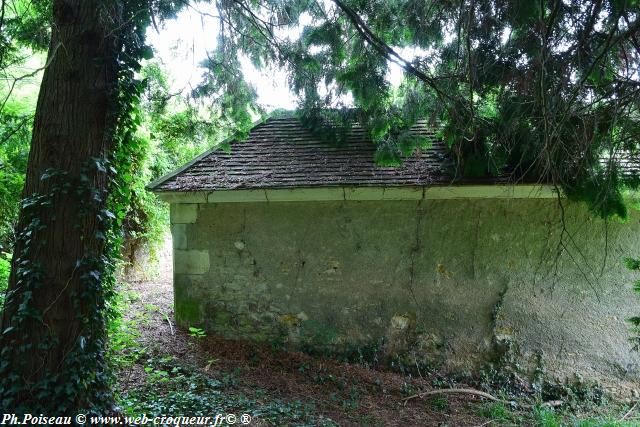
(502, 415)
(439, 402)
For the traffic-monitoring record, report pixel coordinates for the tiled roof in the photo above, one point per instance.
(281, 153)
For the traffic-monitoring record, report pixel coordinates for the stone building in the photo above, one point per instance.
(288, 239)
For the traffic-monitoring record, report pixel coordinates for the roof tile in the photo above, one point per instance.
(281, 153)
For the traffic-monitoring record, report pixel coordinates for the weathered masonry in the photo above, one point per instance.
(289, 239)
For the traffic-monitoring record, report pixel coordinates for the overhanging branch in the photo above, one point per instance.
(383, 48)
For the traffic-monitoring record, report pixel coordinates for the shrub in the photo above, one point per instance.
(5, 268)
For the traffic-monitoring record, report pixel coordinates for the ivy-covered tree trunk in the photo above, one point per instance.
(53, 326)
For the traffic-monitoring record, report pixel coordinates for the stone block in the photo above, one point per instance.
(179, 236)
(184, 213)
(190, 261)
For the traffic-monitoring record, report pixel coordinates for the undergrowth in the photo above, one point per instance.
(166, 385)
(504, 415)
(172, 387)
(5, 267)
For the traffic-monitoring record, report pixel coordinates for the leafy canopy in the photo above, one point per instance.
(540, 91)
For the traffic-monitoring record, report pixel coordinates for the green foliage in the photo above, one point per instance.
(81, 382)
(196, 332)
(576, 393)
(528, 90)
(63, 384)
(16, 120)
(170, 132)
(439, 402)
(496, 411)
(542, 416)
(546, 417)
(522, 105)
(5, 269)
(175, 129)
(173, 387)
(25, 23)
(225, 85)
(123, 349)
(143, 216)
(633, 264)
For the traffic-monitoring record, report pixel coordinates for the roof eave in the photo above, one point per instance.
(488, 191)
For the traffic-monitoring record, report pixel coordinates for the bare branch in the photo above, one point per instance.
(31, 74)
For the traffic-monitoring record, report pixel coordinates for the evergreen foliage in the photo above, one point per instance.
(16, 119)
(23, 23)
(538, 91)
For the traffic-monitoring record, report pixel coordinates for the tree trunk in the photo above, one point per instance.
(52, 339)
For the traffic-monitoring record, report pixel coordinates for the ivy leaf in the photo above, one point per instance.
(632, 263)
(635, 321)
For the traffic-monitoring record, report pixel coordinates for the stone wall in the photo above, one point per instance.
(453, 282)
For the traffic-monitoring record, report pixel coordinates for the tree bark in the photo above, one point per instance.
(45, 319)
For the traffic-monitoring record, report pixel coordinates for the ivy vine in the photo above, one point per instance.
(82, 382)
